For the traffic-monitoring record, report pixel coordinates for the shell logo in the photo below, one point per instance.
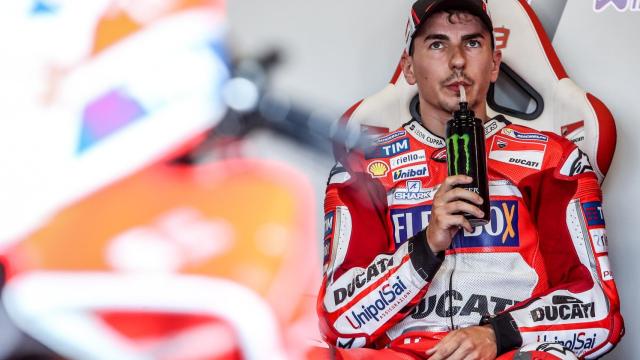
(508, 132)
(378, 169)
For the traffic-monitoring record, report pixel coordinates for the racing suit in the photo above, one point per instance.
(539, 272)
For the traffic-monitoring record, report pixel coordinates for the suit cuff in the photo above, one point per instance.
(507, 334)
(424, 261)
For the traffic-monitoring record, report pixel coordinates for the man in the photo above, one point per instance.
(531, 284)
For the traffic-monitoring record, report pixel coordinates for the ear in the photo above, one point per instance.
(495, 65)
(407, 69)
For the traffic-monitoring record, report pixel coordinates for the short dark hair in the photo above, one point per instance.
(451, 14)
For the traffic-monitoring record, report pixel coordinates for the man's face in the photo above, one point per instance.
(451, 50)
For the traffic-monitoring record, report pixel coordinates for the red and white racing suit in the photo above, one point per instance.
(539, 272)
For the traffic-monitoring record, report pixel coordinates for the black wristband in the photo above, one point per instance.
(424, 261)
(506, 331)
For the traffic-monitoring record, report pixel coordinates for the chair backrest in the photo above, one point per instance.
(529, 61)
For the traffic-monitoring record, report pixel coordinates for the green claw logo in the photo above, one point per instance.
(452, 143)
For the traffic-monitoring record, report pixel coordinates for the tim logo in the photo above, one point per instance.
(385, 151)
(620, 5)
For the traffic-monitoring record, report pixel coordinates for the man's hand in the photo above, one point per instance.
(447, 204)
(472, 343)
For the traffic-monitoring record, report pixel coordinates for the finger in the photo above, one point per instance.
(446, 347)
(464, 207)
(461, 194)
(451, 181)
(467, 225)
(460, 354)
(456, 221)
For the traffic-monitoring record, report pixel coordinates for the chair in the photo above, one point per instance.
(530, 65)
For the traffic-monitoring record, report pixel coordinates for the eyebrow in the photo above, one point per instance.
(446, 38)
(436, 37)
(472, 36)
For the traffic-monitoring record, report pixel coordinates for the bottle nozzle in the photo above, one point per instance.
(463, 94)
(463, 98)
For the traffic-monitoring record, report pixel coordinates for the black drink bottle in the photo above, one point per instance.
(466, 155)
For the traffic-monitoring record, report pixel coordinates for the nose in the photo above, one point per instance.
(457, 60)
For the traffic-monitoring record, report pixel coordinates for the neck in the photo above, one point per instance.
(435, 119)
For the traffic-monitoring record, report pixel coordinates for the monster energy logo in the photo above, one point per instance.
(453, 143)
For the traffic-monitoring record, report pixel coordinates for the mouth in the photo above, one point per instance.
(454, 87)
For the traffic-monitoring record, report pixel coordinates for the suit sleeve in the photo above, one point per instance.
(367, 285)
(580, 308)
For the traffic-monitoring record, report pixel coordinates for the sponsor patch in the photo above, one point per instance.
(414, 186)
(328, 232)
(388, 150)
(328, 223)
(412, 193)
(577, 163)
(526, 163)
(411, 172)
(561, 342)
(528, 155)
(362, 277)
(407, 159)
(593, 213)
(475, 305)
(524, 136)
(326, 252)
(380, 305)
(502, 231)
(390, 137)
(408, 222)
(599, 238)
(578, 341)
(378, 169)
(490, 127)
(425, 136)
(564, 308)
(605, 268)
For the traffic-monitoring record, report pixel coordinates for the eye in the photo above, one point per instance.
(474, 43)
(436, 45)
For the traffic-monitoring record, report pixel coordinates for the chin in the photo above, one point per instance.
(452, 106)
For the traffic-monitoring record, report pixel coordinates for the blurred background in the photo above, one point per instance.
(145, 211)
